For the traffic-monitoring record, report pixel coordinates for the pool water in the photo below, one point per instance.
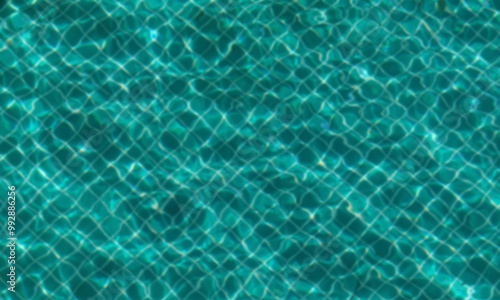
(252, 149)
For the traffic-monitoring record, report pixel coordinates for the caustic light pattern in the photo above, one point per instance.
(252, 149)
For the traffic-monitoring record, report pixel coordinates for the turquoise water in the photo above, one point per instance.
(252, 149)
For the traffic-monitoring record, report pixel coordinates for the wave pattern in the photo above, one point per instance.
(253, 149)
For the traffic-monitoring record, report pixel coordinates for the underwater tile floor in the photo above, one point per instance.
(252, 149)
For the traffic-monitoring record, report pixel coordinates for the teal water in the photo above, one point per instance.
(252, 149)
